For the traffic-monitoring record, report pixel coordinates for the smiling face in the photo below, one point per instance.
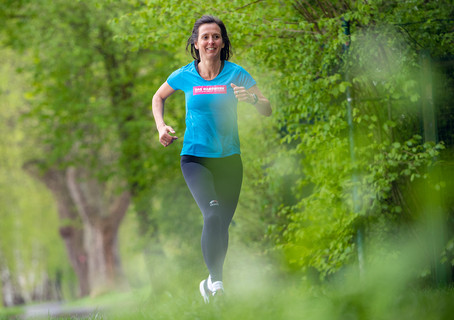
(209, 42)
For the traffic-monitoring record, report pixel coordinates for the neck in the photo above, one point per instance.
(209, 69)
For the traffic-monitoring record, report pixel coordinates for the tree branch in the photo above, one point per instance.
(298, 5)
(333, 9)
(119, 207)
(247, 5)
(77, 195)
(323, 9)
(411, 38)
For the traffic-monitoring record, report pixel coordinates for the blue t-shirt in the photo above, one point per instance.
(211, 109)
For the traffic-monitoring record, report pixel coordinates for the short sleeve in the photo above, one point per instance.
(245, 79)
(175, 80)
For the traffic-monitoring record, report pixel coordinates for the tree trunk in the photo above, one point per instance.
(119, 73)
(71, 229)
(8, 291)
(90, 218)
(101, 222)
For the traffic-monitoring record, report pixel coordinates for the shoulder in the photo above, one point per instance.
(235, 68)
(239, 75)
(189, 67)
(184, 69)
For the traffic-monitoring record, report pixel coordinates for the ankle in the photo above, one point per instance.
(214, 286)
(217, 287)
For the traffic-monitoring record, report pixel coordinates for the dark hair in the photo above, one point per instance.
(225, 52)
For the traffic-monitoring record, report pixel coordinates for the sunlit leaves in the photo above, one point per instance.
(303, 168)
(29, 245)
(302, 63)
(310, 95)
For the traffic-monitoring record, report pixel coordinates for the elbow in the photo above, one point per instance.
(267, 111)
(157, 100)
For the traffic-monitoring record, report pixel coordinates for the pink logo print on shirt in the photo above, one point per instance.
(209, 90)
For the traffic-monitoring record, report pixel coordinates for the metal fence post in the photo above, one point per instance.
(428, 109)
(432, 207)
(355, 196)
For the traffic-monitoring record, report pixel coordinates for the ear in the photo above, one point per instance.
(196, 45)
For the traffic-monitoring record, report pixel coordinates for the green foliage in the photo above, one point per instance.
(385, 293)
(299, 49)
(89, 97)
(311, 177)
(29, 245)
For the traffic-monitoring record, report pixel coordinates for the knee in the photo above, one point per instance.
(213, 216)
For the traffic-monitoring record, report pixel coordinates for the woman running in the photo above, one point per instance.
(210, 158)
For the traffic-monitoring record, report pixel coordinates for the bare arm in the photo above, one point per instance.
(159, 99)
(262, 104)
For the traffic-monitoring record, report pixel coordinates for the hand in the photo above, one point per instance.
(164, 137)
(242, 94)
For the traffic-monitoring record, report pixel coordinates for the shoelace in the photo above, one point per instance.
(217, 286)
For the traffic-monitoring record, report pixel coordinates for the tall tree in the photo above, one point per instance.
(30, 255)
(91, 106)
(320, 93)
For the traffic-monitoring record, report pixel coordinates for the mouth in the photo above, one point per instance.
(211, 49)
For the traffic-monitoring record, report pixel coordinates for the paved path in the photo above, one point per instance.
(56, 309)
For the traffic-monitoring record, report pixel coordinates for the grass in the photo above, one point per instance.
(389, 290)
(291, 304)
(347, 298)
(9, 313)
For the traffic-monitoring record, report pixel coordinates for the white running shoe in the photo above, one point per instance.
(204, 291)
(217, 288)
(208, 289)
